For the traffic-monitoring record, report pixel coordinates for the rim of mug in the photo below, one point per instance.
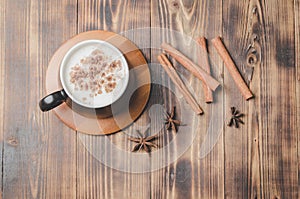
(62, 76)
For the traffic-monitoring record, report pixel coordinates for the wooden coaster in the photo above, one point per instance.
(120, 114)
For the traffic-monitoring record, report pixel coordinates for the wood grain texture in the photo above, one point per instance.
(36, 144)
(210, 169)
(42, 158)
(297, 64)
(297, 36)
(254, 42)
(242, 159)
(2, 77)
(164, 14)
(94, 179)
(274, 129)
(189, 176)
(278, 108)
(236, 161)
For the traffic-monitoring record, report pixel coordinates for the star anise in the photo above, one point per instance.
(143, 142)
(235, 118)
(170, 122)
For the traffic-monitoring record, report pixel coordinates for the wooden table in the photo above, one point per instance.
(42, 158)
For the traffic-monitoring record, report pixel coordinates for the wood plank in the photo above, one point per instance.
(255, 34)
(276, 174)
(244, 166)
(297, 64)
(211, 168)
(39, 152)
(235, 38)
(297, 35)
(41, 158)
(190, 176)
(95, 180)
(2, 77)
(278, 127)
(175, 179)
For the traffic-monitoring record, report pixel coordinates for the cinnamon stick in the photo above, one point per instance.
(179, 83)
(189, 65)
(203, 59)
(224, 54)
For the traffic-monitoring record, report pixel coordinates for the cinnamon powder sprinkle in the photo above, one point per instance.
(95, 73)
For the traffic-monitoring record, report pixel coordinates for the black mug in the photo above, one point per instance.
(82, 97)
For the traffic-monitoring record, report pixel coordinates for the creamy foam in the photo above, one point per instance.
(94, 73)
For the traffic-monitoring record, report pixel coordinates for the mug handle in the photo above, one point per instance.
(53, 100)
